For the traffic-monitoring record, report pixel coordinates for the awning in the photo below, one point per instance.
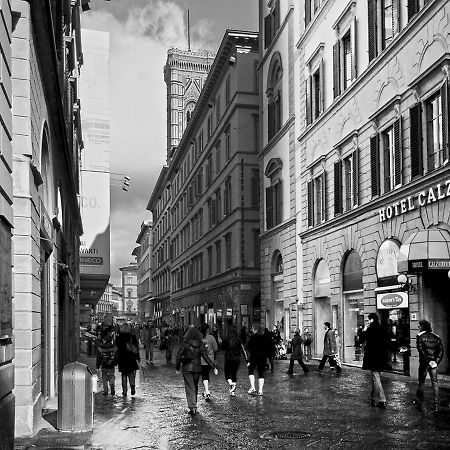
(425, 250)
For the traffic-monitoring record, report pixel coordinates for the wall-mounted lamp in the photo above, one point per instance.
(405, 283)
(232, 60)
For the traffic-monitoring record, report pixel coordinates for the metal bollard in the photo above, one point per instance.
(75, 398)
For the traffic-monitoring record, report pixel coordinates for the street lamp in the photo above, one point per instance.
(405, 283)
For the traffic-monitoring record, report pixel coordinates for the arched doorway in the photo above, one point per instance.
(353, 292)
(279, 318)
(322, 302)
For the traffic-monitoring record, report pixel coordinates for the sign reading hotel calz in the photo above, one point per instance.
(429, 264)
(425, 197)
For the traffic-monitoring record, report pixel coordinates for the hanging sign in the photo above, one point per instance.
(392, 300)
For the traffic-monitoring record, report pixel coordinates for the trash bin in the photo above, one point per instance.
(75, 398)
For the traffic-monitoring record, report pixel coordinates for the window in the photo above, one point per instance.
(227, 91)
(227, 145)
(274, 193)
(210, 261)
(429, 124)
(271, 23)
(314, 95)
(218, 165)
(208, 170)
(228, 251)
(218, 256)
(317, 200)
(209, 126)
(254, 199)
(384, 24)
(227, 197)
(311, 8)
(346, 183)
(274, 90)
(218, 205)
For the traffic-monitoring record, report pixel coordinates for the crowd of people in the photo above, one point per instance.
(198, 348)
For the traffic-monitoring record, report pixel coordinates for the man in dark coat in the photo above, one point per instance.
(330, 349)
(297, 353)
(431, 352)
(375, 357)
(259, 345)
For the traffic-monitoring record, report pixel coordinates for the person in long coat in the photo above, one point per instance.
(234, 349)
(330, 348)
(127, 357)
(297, 353)
(189, 357)
(375, 359)
(259, 347)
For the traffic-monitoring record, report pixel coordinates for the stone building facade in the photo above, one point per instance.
(209, 194)
(374, 171)
(281, 268)
(47, 224)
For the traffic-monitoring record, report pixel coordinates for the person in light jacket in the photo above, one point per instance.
(330, 348)
(189, 356)
(431, 352)
(212, 348)
(297, 353)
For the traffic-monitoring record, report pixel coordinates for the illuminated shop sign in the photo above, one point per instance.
(392, 300)
(425, 197)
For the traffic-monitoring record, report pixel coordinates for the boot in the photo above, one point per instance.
(260, 386)
(291, 367)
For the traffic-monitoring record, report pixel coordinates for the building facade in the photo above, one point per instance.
(184, 73)
(46, 142)
(209, 192)
(117, 301)
(144, 273)
(95, 171)
(281, 257)
(104, 308)
(374, 170)
(130, 304)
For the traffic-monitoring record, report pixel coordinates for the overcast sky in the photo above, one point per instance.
(141, 32)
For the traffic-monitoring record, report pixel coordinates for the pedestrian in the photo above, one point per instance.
(149, 338)
(307, 341)
(215, 332)
(188, 359)
(329, 349)
(431, 352)
(169, 341)
(127, 357)
(244, 335)
(376, 349)
(234, 349)
(297, 353)
(259, 347)
(272, 339)
(211, 347)
(107, 361)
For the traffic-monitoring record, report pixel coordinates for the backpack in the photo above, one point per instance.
(187, 355)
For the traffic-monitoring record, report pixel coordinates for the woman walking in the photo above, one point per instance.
(127, 357)
(297, 353)
(259, 346)
(233, 350)
(212, 348)
(189, 357)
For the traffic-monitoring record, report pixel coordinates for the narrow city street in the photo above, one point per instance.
(319, 411)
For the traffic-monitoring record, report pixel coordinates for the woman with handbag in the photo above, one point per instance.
(189, 357)
(127, 357)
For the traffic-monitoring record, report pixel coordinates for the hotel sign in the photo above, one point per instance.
(429, 264)
(425, 197)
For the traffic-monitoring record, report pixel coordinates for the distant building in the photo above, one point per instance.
(95, 172)
(144, 278)
(130, 303)
(104, 308)
(117, 300)
(205, 263)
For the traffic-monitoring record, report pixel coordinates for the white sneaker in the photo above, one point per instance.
(232, 388)
(252, 391)
(260, 393)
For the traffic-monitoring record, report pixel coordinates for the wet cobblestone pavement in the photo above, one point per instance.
(317, 411)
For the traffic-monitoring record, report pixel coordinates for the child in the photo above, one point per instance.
(107, 360)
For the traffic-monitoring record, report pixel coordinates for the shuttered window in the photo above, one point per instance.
(310, 204)
(317, 194)
(398, 157)
(415, 129)
(375, 165)
(274, 205)
(269, 208)
(372, 24)
(338, 188)
(307, 12)
(413, 8)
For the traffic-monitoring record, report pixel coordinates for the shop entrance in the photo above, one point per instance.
(437, 310)
(396, 322)
(322, 315)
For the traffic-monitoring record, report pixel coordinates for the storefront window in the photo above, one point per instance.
(353, 308)
(322, 303)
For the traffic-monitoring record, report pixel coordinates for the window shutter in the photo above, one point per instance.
(322, 87)
(338, 187)
(307, 12)
(324, 197)
(269, 208)
(336, 70)
(398, 152)
(355, 176)
(445, 121)
(353, 45)
(277, 15)
(415, 129)
(310, 204)
(278, 203)
(308, 100)
(270, 120)
(413, 8)
(375, 164)
(267, 30)
(372, 22)
(387, 171)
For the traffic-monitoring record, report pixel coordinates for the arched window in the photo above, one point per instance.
(274, 95)
(274, 198)
(353, 273)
